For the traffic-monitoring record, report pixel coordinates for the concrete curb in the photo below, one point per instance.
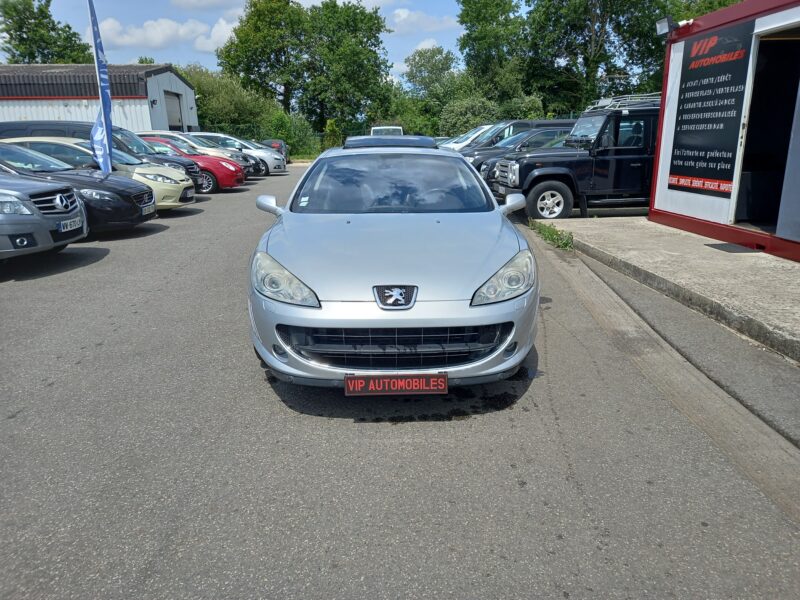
(744, 324)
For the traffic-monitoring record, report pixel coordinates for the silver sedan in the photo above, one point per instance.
(392, 270)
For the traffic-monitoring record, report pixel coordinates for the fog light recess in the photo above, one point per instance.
(279, 352)
(510, 350)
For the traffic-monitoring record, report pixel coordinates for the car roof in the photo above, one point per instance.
(53, 139)
(435, 151)
(386, 141)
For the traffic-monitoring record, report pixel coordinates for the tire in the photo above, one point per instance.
(208, 183)
(261, 168)
(265, 167)
(549, 200)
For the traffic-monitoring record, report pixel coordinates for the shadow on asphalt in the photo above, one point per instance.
(459, 404)
(201, 199)
(179, 213)
(34, 266)
(237, 190)
(140, 231)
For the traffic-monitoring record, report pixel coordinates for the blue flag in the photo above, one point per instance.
(101, 132)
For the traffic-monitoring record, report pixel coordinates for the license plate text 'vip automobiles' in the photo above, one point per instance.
(391, 385)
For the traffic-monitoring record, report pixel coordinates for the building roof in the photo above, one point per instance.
(76, 81)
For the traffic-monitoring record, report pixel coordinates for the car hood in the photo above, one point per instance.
(559, 153)
(341, 257)
(28, 185)
(97, 180)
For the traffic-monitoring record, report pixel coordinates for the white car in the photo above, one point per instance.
(462, 140)
(270, 160)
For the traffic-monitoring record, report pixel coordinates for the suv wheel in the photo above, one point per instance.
(549, 200)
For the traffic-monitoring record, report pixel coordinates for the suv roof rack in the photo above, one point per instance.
(389, 141)
(629, 101)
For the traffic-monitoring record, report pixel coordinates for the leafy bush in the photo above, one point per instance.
(462, 115)
(332, 135)
(523, 107)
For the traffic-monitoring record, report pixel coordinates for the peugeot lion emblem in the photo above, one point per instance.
(61, 202)
(395, 297)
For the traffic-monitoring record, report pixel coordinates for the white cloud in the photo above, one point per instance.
(203, 4)
(404, 21)
(426, 44)
(219, 35)
(152, 35)
(366, 3)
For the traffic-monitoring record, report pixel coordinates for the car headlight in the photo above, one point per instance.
(13, 206)
(470, 159)
(515, 278)
(484, 169)
(270, 279)
(176, 166)
(513, 175)
(98, 194)
(159, 178)
(228, 166)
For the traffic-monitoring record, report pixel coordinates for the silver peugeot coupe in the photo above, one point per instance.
(392, 270)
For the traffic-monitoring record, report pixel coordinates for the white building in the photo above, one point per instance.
(143, 97)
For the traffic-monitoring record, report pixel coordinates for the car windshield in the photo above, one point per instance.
(133, 141)
(182, 146)
(585, 130)
(490, 133)
(163, 149)
(24, 158)
(200, 141)
(117, 156)
(391, 183)
(513, 140)
(473, 132)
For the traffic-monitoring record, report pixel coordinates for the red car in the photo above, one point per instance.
(215, 173)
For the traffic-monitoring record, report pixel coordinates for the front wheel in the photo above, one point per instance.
(549, 200)
(261, 168)
(208, 183)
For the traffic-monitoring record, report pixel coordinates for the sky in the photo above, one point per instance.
(187, 31)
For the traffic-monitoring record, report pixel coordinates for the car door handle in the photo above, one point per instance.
(636, 164)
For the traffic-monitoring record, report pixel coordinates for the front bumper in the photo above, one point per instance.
(41, 231)
(501, 191)
(266, 314)
(104, 215)
(179, 196)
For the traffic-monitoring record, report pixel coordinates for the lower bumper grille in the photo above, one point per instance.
(395, 348)
(143, 199)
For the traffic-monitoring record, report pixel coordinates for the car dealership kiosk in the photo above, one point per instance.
(728, 159)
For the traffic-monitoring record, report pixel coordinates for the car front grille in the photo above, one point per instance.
(46, 203)
(395, 348)
(193, 170)
(503, 172)
(143, 199)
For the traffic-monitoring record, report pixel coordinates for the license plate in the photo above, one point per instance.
(188, 193)
(394, 385)
(146, 210)
(501, 189)
(70, 225)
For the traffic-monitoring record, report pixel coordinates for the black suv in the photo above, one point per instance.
(607, 160)
(122, 139)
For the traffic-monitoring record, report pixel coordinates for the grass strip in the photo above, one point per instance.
(551, 235)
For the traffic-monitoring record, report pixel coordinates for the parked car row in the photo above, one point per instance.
(52, 191)
(603, 159)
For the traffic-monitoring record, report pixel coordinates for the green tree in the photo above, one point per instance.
(523, 107)
(332, 136)
(428, 69)
(222, 101)
(146, 60)
(31, 35)
(346, 64)
(492, 38)
(462, 115)
(267, 49)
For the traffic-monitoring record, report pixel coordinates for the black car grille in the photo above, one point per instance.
(393, 348)
(46, 202)
(503, 171)
(143, 199)
(193, 170)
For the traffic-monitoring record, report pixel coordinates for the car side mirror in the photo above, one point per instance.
(514, 202)
(269, 204)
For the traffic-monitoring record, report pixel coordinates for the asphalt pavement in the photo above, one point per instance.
(145, 454)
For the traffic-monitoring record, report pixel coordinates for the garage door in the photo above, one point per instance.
(174, 117)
